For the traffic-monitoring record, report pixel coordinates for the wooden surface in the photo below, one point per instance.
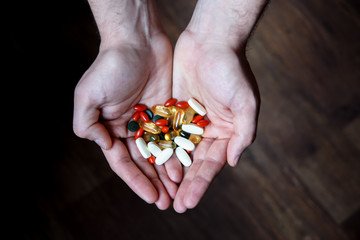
(299, 180)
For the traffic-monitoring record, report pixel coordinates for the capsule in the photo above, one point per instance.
(189, 115)
(164, 156)
(148, 137)
(161, 122)
(197, 118)
(139, 133)
(195, 139)
(141, 145)
(202, 123)
(182, 105)
(144, 117)
(167, 137)
(183, 157)
(165, 129)
(166, 144)
(192, 128)
(178, 119)
(170, 102)
(161, 111)
(150, 127)
(197, 106)
(140, 107)
(151, 159)
(184, 143)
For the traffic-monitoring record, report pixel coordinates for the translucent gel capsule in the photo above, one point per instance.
(189, 115)
(150, 127)
(178, 119)
(149, 137)
(166, 144)
(173, 134)
(161, 110)
(195, 139)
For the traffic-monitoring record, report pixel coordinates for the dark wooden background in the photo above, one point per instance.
(299, 180)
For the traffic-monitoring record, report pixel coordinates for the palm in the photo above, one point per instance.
(222, 81)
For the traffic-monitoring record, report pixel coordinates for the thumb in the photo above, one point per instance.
(86, 125)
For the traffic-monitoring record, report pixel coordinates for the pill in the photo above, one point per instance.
(184, 134)
(202, 123)
(157, 117)
(182, 105)
(161, 110)
(154, 149)
(167, 137)
(133, 126)
(150, 127)
(195, 139)
(165, 129)
(140, 107)
(184, 143)
(189, 115)
(197, 118)
(144, 117)
(141, 145)
(192, 128)
(164, 156)
(149, 113)
(183, 157)
(151, 159)
(154, 138)
(170, 102)
(166, 144)
(178, 119)
(139, 133)
(136, 116)
(161, 122)
(197, 106)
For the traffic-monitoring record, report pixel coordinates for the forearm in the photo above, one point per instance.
(228, 21)
(133, 21)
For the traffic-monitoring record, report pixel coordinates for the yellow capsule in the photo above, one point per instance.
(166, 144)
(195, 139)
(189, 115)
(161, 110)
(150, 127)
(178, 119)
(167, 137)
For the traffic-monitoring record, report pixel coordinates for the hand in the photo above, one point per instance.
(122, 76)
(220, 78)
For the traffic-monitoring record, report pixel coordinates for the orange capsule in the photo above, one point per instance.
(182, 105)
(140, 107)
(165, 129)
(170, 102)
(144, 117)
(151, 159)
(197, 118)
(202, 123)
(136, 116)
(139, 133)
(161, 122)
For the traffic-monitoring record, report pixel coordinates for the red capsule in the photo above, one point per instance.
(161, 122)
(151, 159)
(139, 133)
(202, 123)
(140, 107)
(136, 116)
(144, 117)
(165, 129)
(182, 105)
(170, 102)
(188, 151)
(197, 118)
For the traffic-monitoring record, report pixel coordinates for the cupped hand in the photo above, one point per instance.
(220, 78)
(122, 76)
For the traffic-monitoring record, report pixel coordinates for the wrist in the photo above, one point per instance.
(225, 21)
(125, 21)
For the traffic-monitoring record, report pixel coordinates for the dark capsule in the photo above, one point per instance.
(133, 126)
(184, 134)
(157, 117)
(149, 113)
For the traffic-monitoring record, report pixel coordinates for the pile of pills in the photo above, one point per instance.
(163, 129)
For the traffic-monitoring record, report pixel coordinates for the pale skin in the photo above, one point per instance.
(135, 65)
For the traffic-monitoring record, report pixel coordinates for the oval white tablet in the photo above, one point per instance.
(141, 145)
(164, 156)
(192, 128)
(154, 149)
(197, 106)
(183, 157)
(184, 143)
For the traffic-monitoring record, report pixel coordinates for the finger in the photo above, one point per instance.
(86, 125)
(169, 185)
(198, 157)
(243, 136)
(121, 163)
(212, 164)
(163, 201)
(174, 169)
